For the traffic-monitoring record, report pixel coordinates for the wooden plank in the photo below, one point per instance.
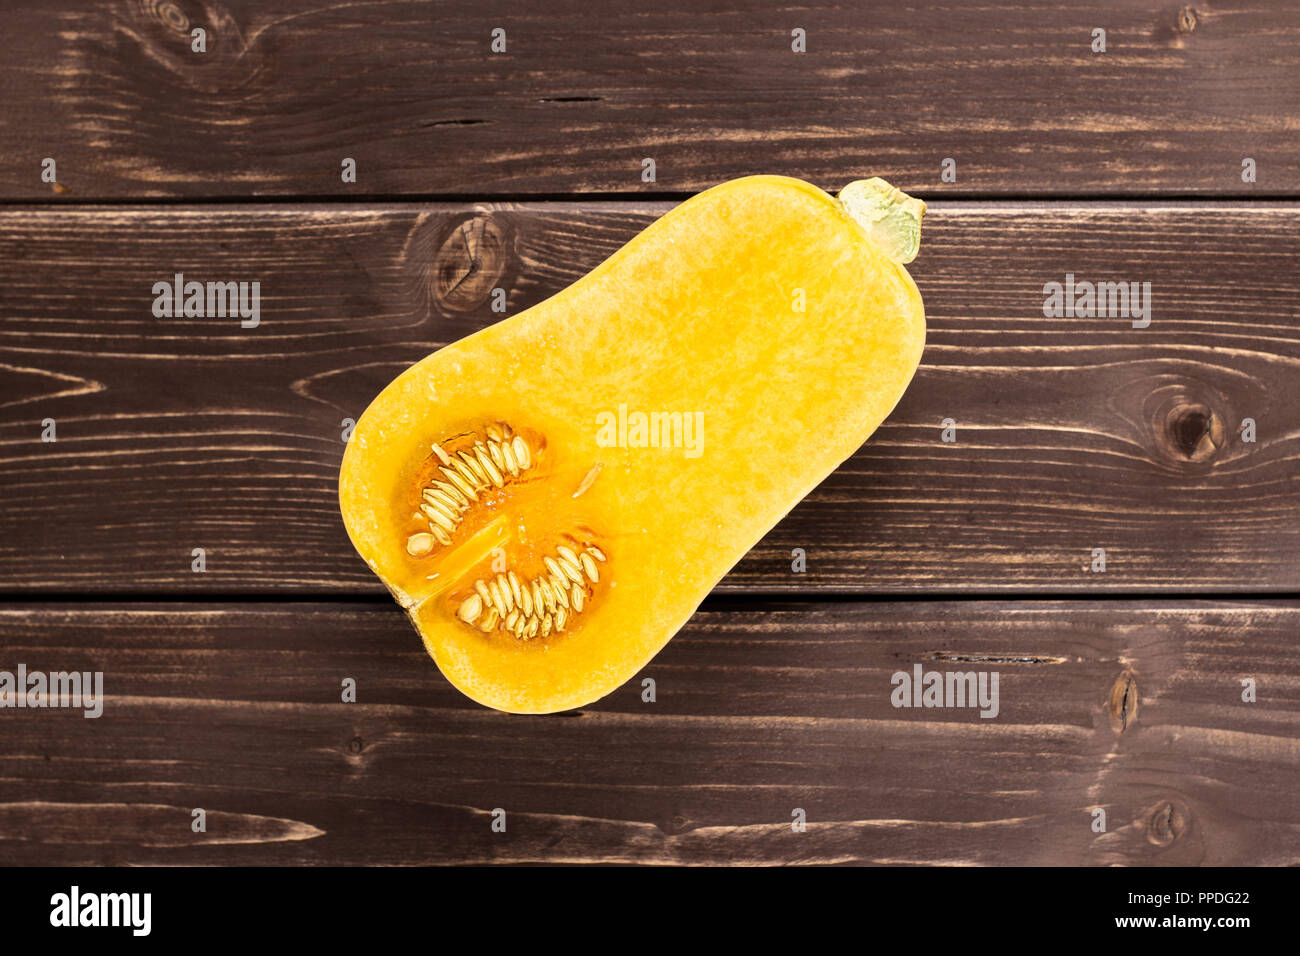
(1012, 92)
(760, 709)
(195, 433)
(1072, 433)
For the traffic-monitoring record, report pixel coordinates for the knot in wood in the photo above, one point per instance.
(1123, 702)
(166, 27)
(170, 15)
(1166, 823)
(1193, 431)
(470, 263)
(1185, 22)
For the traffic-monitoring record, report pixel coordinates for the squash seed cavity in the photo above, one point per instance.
(486, 463)
(528, 607)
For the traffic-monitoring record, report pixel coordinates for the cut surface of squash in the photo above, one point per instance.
(552, 497)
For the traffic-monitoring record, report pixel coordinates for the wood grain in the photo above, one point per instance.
(761, 709)
(1072, 433)
(284, 92)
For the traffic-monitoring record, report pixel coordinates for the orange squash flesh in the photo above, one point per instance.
(698, 315)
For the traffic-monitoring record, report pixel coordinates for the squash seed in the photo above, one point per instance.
(470, 609)
(511, 464)
(588, 480)
(442, 455)
(566, 554)
(467, 474)
(526, 599)
(452, 514)
(419, 544)
(511, 619)
(452, 492)
(494, 433)
(560, 616)
(468, 466)
(506, 594)
(561, 589)
(495, 451)
(521, 453)
(589, 566)
(595, 552)
(574, 574)
(578, 597)
(489, 468)
(538, 590)
(532, 629)
(434, 496)
(490, 622)
(464, 488)
(498, 601)
(436, 516)
(515, 591)
(483, 592)
(443, 538)
(546, 626)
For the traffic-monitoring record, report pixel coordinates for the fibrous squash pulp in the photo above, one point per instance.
(552, 497)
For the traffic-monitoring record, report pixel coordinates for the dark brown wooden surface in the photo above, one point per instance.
(1072, 433)
(584, 92)
(762, 708)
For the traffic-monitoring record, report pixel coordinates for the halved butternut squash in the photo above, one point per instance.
(552, 497)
